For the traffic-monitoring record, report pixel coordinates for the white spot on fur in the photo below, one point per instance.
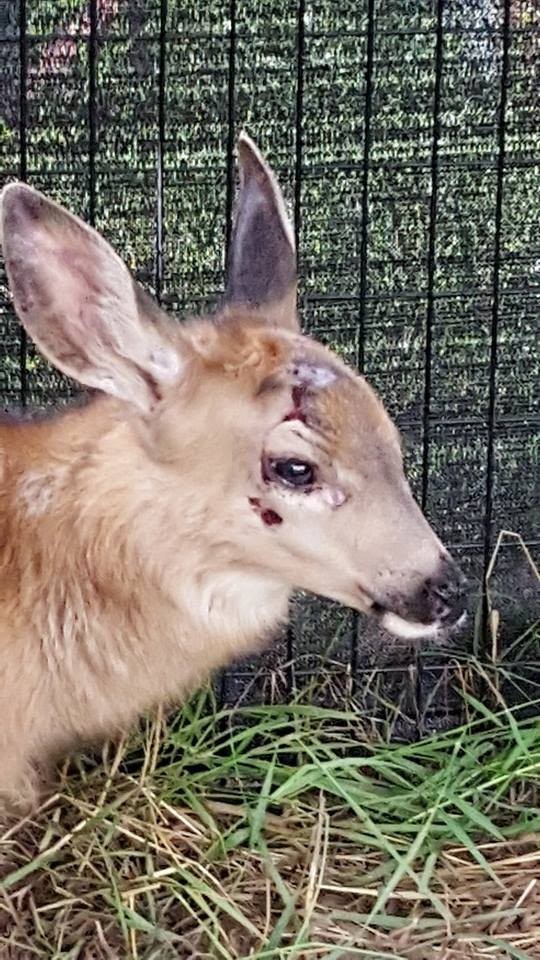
(334, 497)
(165, 363)
(37, 491)
(233, 603)
(407, 630)
(108, 384)
(318, 376)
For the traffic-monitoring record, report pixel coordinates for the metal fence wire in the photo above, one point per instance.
(406, 134)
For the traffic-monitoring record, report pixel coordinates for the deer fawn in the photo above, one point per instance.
(157, 532)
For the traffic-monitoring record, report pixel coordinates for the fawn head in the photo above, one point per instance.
(291, 456)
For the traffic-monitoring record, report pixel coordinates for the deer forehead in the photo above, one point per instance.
(353, 411)
(291, 437)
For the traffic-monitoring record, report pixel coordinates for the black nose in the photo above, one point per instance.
(441, 597)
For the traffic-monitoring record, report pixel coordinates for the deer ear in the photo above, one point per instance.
(261, 269)
(79, 303)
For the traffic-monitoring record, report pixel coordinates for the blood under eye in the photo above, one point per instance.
(295, 473)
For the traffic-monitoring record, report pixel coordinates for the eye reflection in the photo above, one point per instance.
(294, 473)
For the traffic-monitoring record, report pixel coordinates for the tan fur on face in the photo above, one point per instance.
(105, 609)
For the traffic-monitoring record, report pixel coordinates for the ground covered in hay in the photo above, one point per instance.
(285, 832)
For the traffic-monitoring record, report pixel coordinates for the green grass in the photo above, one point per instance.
(286, 832)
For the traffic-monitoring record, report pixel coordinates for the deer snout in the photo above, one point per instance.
(440, 598)
(435, 605)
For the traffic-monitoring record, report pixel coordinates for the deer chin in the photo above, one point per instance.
(412, 630)
(399, 626)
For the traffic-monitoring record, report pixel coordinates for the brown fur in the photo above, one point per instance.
(136, 552)
(89, 572)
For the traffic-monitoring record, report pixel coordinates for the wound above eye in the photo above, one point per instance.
(297, 412)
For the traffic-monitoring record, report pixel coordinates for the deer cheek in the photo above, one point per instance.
(271, 518)
(268, 516)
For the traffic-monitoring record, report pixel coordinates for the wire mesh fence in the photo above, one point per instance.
(406, 135)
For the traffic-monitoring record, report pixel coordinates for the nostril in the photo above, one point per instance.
(445, 591)
(448, 595)
(437, 588)
(446, 611)
(450, 584)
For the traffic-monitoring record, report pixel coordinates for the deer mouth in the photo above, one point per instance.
(405, 629)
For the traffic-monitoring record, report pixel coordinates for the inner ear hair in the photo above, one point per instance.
(261, 262)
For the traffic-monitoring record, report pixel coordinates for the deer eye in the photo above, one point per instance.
(295, 473)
